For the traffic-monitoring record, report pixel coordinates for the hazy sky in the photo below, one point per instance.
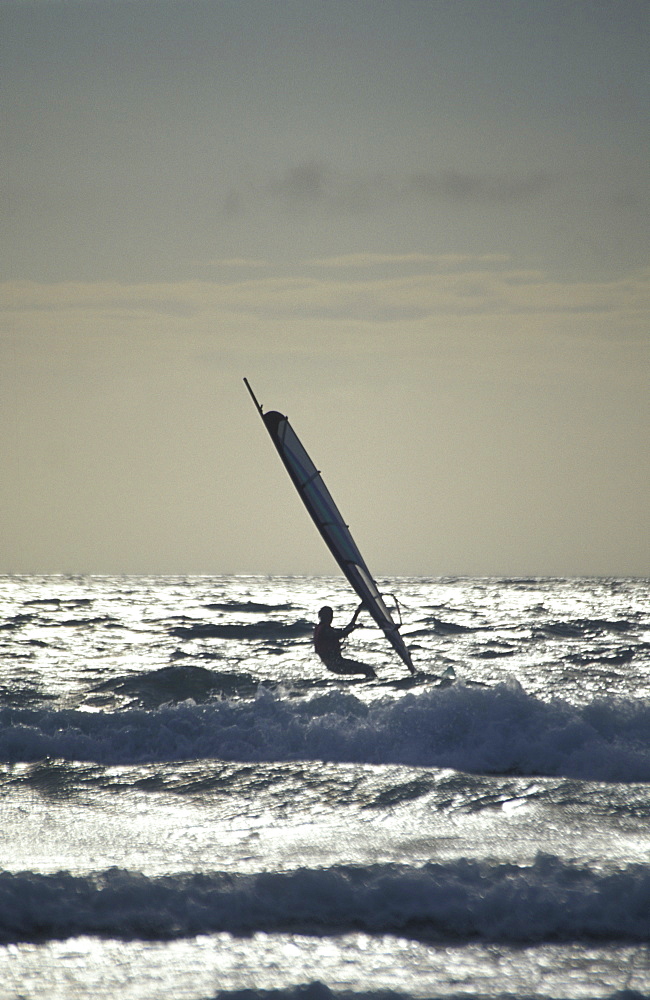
(419, 228)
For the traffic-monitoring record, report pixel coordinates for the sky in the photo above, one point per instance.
(420, 229)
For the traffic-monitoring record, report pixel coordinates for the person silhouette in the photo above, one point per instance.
(327, 643)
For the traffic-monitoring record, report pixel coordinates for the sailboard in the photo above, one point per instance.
(327, 518)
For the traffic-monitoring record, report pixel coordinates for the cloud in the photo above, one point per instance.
(314, 183)
(440, 262)
(234, 263)
(373, 289)
(307, 182)
(455, 186)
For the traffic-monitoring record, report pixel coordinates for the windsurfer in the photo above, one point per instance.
(327, 643)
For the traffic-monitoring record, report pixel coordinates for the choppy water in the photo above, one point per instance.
(193, 807)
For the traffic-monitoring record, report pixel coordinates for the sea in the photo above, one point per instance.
(192, 807)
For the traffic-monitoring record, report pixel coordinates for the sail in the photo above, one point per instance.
(327, 518)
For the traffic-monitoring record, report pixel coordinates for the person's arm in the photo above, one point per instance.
(353, 623)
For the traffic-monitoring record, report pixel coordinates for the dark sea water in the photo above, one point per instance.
(192, 807)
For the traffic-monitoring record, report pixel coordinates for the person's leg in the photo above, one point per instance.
(345, 666)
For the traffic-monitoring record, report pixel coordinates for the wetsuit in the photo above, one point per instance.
(327, 643)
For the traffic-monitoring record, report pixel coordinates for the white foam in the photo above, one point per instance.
(548, 900)
(500, 730)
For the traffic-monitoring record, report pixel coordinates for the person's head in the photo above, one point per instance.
(326, 614)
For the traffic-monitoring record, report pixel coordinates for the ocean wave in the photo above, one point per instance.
(15, 623)
(175, 683)
(441, 626)
(461, 900)
(234, 606)
(586, 626)
(610, 656)
(266, 630)
(25, 695)
(499, 730)
(317, 990)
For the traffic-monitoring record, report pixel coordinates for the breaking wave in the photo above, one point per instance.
(549, 900)
(498, 730)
